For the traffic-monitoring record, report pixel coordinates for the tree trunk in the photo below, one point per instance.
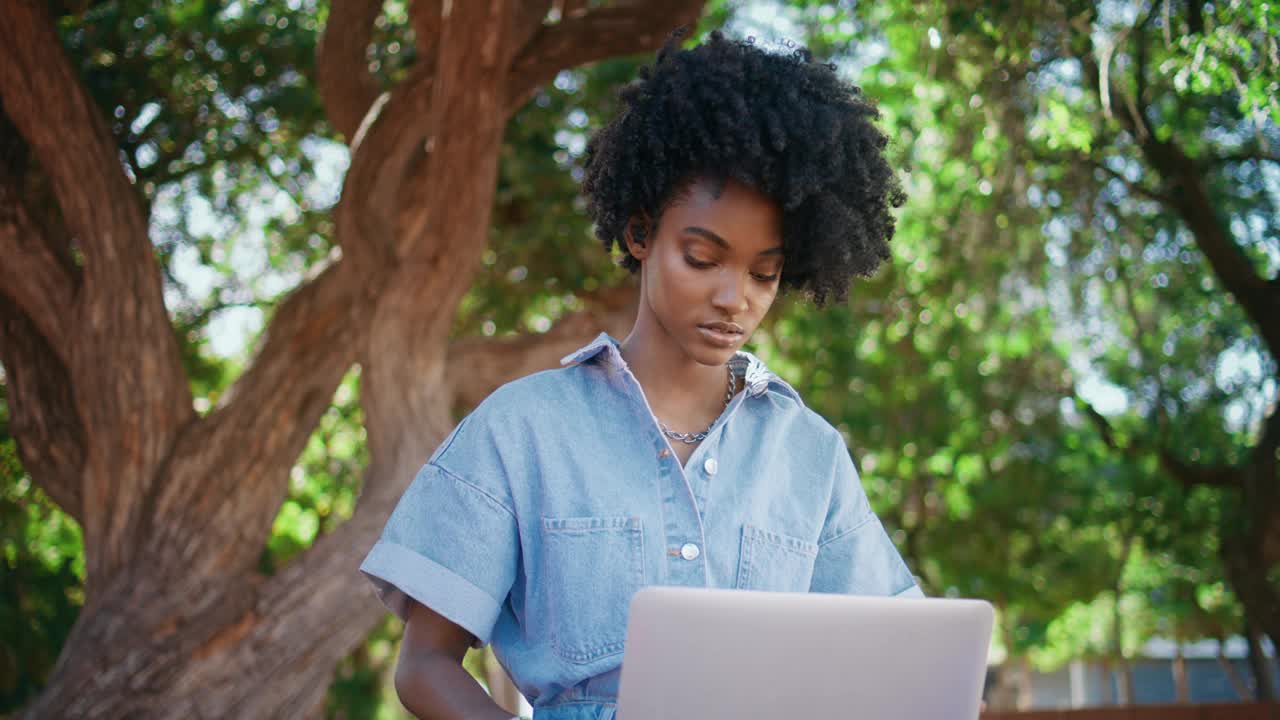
(176, 508)
(1245, 548)
(1264, 688)
(1181, 689)
(1109, 682)
(1229, 669)
(1124, 681)
(1026, 684)
(1004, 694)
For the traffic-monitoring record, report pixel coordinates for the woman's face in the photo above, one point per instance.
(711, 270)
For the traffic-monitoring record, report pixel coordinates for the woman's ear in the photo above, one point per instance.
(638, 236)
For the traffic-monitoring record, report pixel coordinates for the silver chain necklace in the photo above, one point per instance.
(691, 438)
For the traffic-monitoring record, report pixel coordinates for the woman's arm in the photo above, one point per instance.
(430, 679)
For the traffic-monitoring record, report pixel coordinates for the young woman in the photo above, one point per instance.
(672, 457)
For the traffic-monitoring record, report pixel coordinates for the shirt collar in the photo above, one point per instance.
(745, 365)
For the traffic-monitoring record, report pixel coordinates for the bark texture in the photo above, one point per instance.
(175, 507)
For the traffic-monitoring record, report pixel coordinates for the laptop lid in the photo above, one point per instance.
(710, 653)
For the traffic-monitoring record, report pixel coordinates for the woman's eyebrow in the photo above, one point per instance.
(703, 232)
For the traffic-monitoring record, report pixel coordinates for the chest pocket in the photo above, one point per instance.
(593, 566)
(772, 561)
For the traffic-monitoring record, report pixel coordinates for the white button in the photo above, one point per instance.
(690, 551)
(710, 465)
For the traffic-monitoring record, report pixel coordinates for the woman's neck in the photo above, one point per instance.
(684, 393)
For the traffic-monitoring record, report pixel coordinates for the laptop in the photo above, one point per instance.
(708, 653)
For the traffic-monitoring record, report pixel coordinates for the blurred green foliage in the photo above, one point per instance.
(1037, 268)
(1037, 276)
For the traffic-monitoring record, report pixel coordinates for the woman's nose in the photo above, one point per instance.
(731, 293)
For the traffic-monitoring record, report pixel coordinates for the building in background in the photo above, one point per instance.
(1214, 674)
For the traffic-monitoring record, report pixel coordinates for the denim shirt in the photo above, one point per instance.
(558, 497)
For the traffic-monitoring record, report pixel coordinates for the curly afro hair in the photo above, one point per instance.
(782, 124)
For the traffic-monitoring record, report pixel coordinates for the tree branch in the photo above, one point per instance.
(406, 412)
(21, 182)
(529, 22)
(261, 425)
(311, 613)
(1187, 474)
(66, 132)
(1189, 199)
(1141, 330)
(269, 412)
(1137, 188)
(1101, 423)
(594, 35)
(1138, 101)
(125, 370)
(342, 71)
(425, 16)
(1264, 453)
(43, 418)
(439, 239)
(1220, 476)
(477, 366)
(32, 274)
(388, 160)
(572, 8)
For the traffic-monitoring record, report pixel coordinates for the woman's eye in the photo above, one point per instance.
(697, 263)
(765, 278)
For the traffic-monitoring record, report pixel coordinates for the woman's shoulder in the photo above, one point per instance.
(782, 398)
(806, 429)
(815, 431)
(538, 397)
(535, 387)
(492, 436)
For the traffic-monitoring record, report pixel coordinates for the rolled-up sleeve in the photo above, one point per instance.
(855, 554)
(451, 545)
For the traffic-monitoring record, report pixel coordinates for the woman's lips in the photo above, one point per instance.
(722, 335)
